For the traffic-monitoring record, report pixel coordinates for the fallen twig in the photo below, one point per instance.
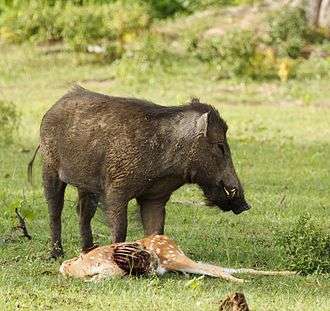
(22, 224)
(280, 204)
(188, 202)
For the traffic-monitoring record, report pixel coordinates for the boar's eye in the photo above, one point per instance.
(222, 148)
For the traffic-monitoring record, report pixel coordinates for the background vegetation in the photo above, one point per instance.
(266, 70)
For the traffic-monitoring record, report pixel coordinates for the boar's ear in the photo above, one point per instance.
(202, 124)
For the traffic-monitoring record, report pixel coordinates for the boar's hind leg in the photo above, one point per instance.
(54, 190)
(86, 209)
(153, 215)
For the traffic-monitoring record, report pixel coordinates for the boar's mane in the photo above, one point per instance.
(152, 110)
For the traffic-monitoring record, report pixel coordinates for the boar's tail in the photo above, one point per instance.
(30, 165)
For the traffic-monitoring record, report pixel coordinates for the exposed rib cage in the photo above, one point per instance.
(133, 258)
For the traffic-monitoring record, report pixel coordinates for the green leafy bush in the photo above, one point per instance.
(151, 54)
(34, 22)
(83, 26)
(236, 51)
(157, 50)
(307, 247)
(242, 53)
(111, 27)
(288, 30)
(166, 8)
(314, 68)
(236, 54)
(9, 122)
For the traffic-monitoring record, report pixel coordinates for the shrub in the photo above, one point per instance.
(307, 247)
(236, 54)
(314, 68)
(127, 20)
(237, 49)
(166, 8)
(83, 26)
(112, 26)
(153, 49)
(244, 54)
(288, 30)
(34, 22)
(9, 122)
(150, 55)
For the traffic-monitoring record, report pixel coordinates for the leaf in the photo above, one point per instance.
(194, 283)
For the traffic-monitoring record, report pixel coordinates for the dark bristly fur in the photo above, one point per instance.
(114, 149)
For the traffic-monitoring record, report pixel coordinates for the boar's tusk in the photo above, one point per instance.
(233, 192)
(227, 192)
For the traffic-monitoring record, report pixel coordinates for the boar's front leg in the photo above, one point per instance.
(54, 190)
(86, 209)
(116, 213)
(153, 214)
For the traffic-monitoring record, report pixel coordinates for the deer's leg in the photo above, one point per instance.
(211, 270)
(153, 214)
(86, 209)
(217, 274)
(54, 190)
(260, 272)
(229, 277)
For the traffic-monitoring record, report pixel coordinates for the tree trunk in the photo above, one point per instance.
(324, 15)
(313, 11)
(318, 11)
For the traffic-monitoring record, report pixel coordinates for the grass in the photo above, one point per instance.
(280, 140)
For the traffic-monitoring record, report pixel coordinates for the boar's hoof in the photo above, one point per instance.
(55, 254)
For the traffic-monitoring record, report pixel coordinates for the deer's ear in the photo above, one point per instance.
(202, 124)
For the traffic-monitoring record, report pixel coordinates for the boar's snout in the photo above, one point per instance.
(239, 206)
(235, 199)
(225, 199)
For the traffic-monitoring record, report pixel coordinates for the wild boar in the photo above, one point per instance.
(114, 149)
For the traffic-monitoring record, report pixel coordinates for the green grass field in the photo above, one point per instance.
(280, 140)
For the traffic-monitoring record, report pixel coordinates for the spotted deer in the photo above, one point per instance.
(154, 254)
